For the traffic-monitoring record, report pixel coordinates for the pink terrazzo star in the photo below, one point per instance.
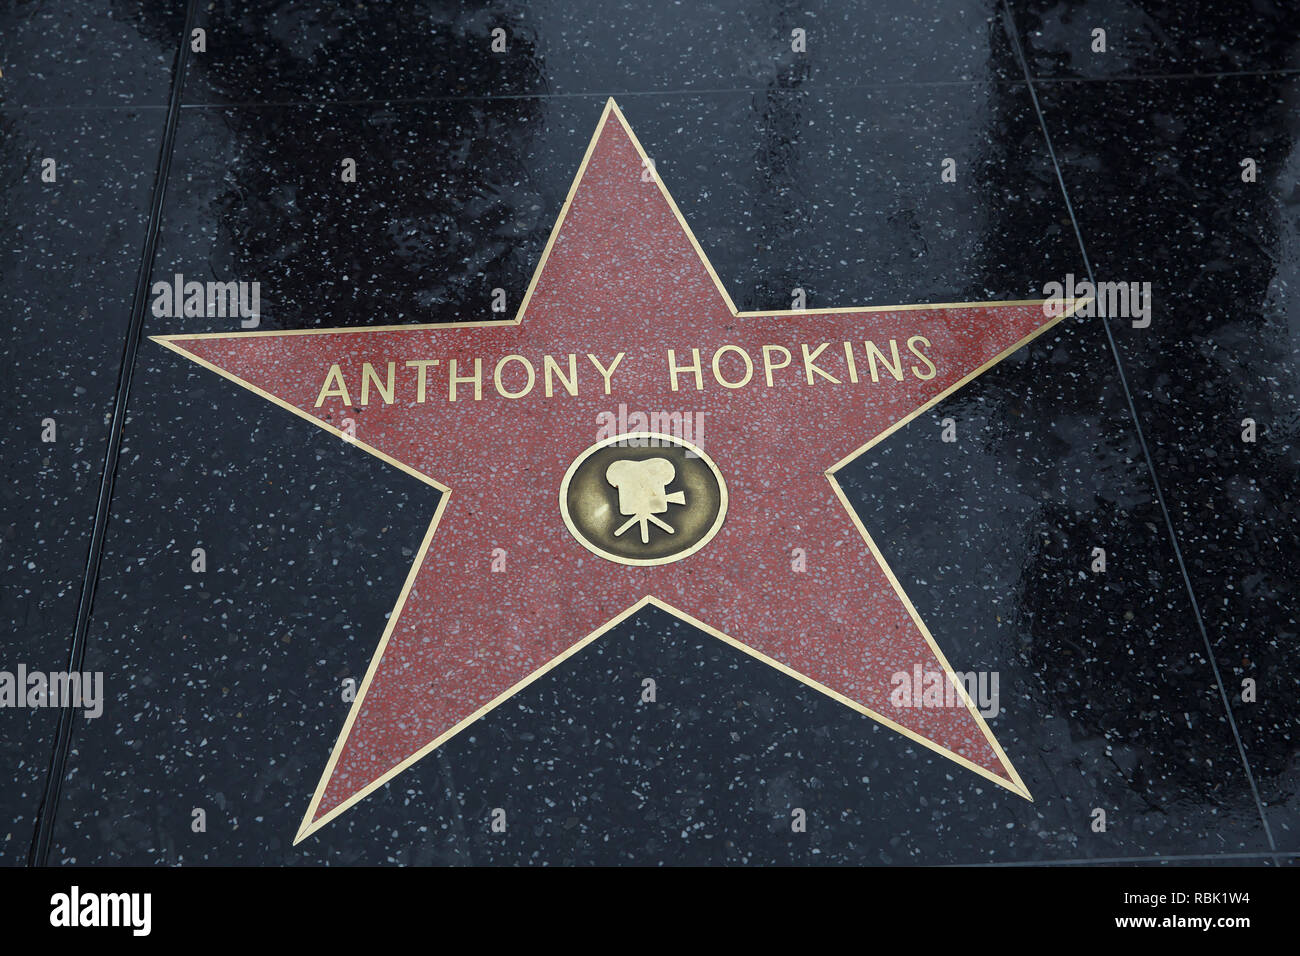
(623, 274)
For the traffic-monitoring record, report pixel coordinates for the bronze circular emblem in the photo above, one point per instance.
(643, 498)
